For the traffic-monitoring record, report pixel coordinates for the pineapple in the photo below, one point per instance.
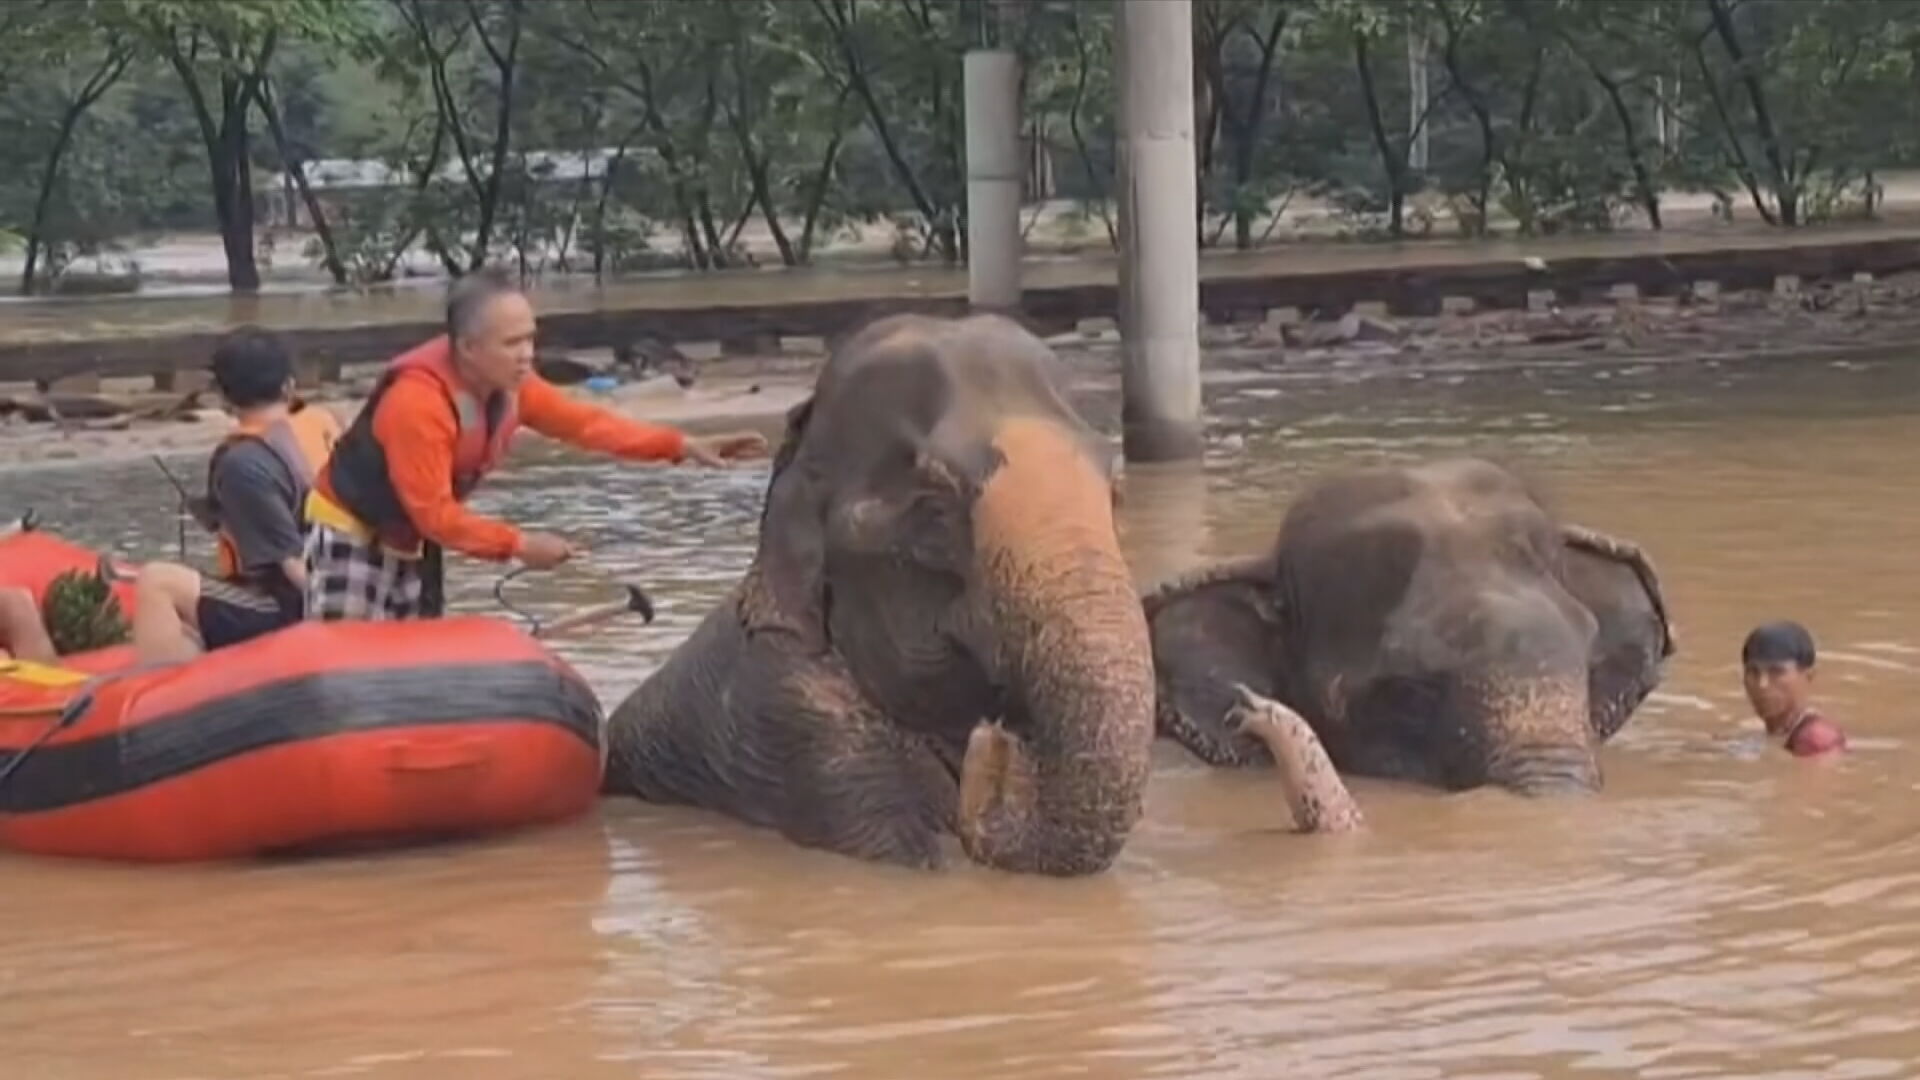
(82, 613)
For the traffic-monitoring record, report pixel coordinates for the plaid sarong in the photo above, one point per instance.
(351, 579)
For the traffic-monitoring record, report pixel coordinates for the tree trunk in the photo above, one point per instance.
(297, 171)
(1245, 131)
(600, 206)
(227, 165)
(233, 186)
(716, 248)
(817, 195)
(1079, 138)
(1642, 177)
(48, 175)
(857, 80)
(1392, 160)
(1786, 186)
(507, 64)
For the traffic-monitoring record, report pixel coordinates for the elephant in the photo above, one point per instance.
(1433, 623)
(937, 635)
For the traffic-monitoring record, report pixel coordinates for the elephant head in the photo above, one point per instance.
(1432, 623)
(940, 527)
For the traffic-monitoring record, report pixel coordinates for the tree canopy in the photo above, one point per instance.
(614, 135)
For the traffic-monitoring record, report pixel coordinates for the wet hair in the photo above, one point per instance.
(1777, 641)
(470, 295)
(251, 367)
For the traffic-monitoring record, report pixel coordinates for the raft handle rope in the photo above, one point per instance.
(69, 715)
(636, 600)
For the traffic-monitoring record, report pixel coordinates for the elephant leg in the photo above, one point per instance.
(784, 743)
(854, 781)
(1319, 800)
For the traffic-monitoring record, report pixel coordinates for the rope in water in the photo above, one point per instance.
(534, 622)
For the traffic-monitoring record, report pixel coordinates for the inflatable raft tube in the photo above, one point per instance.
(321, 736)
(31, 559)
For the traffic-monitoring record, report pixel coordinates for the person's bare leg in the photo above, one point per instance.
(1319, 800)
(167, 600)
(21, 631)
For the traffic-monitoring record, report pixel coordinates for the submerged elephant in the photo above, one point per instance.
(937, 633)
(1432, 624)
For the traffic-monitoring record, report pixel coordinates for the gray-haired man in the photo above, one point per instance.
(438, 421)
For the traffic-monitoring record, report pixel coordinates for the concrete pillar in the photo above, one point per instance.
(994, 168)
(1159, 252)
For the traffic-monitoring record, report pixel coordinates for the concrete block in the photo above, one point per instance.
(1786, 285)
(1863, 277)
(1283, 316)
(1706, 291)
(309, 374)
(88, 383)
(798, 345)
(1625, 294)
(1371, 309)
(1456, 305)
(700, 350)
(187, 381)
(751, 345)
(1097, 326)
(1540, 301)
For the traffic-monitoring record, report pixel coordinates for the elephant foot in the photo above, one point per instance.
(998, 790)
(1315, 793)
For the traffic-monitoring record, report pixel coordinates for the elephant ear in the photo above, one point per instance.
(1209, 631)
(785, 588)
(1616, 581)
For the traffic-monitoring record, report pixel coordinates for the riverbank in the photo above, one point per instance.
(752, 314)
(1827, 321)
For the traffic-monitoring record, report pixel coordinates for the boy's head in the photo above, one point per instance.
(251, 367)
(1777, 666)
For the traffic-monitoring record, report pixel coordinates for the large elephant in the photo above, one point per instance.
(1433, 624)
(937, 635)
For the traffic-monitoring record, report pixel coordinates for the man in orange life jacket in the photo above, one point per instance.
(439, 420)
(257, 482)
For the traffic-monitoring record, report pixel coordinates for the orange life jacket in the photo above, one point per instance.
(356, 478)
(302, 440)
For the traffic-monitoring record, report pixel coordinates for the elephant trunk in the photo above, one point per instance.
(1540, 740)
(1060, 786)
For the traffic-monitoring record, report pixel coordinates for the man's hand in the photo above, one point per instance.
(716, 450)
(544, 551)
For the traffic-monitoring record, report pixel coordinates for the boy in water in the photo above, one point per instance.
(1777, 660)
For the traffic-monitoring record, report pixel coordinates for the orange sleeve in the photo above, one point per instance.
(549, 411)
(416, 427)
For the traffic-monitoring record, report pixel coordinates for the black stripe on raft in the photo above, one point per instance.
(296, 710)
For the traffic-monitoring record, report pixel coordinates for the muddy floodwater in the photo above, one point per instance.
(1721, 910)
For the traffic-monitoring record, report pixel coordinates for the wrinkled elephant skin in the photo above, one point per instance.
(1432, 624)
(937, 636)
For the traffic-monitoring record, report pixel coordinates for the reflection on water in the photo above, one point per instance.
(1720, 910)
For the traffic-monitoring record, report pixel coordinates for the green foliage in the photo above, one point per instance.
(81, 613)
(778, 124)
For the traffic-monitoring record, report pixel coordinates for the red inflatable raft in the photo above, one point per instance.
(319, 736)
